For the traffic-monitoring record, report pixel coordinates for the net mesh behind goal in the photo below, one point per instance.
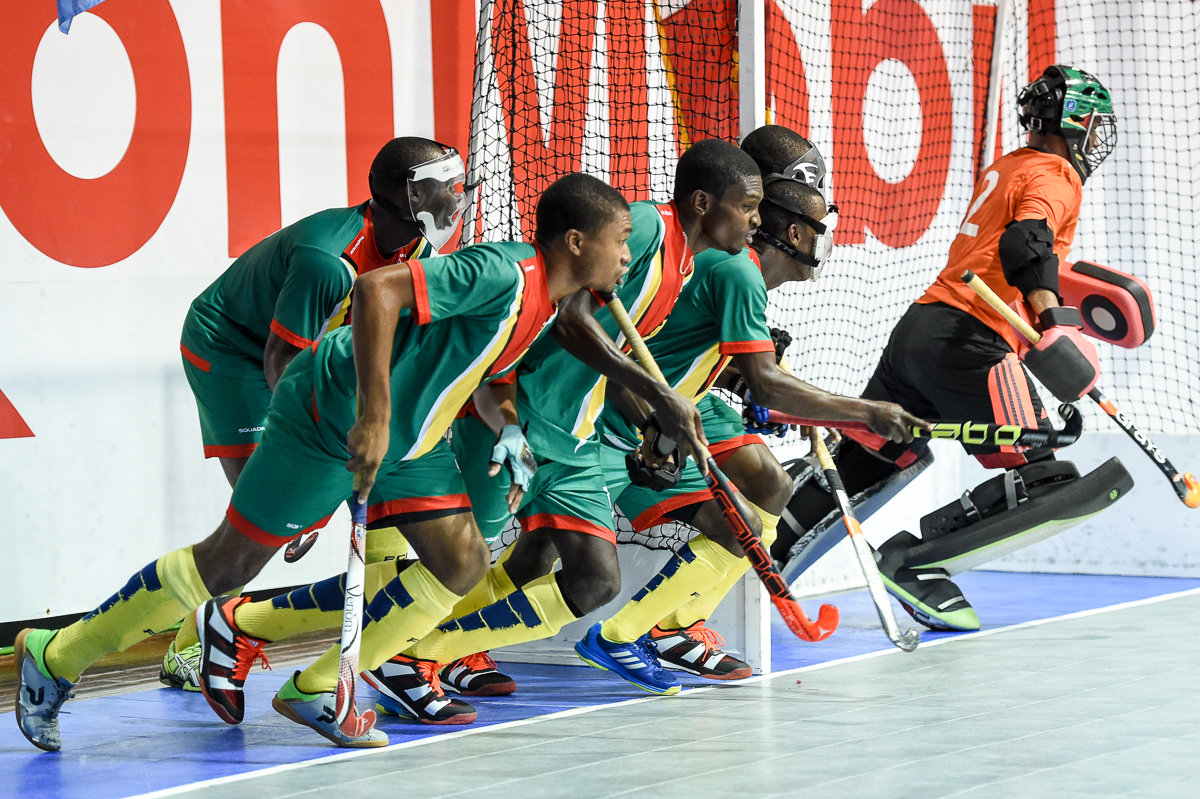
(895, 98)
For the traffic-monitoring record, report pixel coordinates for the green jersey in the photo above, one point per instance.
(295, 283)
(722, 311)
(477, 312)
(557, 394)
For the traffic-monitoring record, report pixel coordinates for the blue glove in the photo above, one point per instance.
(512, 450)
(757, 420)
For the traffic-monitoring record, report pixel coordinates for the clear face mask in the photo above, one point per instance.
(440, 210)
(823, 230)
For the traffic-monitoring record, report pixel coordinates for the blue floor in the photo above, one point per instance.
(156, 739)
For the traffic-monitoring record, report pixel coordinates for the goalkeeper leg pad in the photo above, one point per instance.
(810, 545)
(1013, 510)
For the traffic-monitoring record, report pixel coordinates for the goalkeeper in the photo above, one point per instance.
(952, 356)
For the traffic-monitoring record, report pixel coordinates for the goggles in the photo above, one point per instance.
(437, 214)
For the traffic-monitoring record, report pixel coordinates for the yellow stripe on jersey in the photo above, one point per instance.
(339, 316)
(455, 395)
(695, 382)
(593, 402)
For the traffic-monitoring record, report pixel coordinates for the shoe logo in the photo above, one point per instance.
(35, 698)
(327, 716)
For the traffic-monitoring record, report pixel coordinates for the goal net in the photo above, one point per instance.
(895, 97)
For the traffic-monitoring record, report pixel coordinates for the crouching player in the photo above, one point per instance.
(720, 318)
(426, 333)
(952, 356)
(288, 290)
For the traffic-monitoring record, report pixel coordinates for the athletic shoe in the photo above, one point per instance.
(928, 595)
(39, 694)
(411, 688)
(476, 675)
(696, 649)
(226, 656)
(181, 669)
(319, 712)
(635, 663)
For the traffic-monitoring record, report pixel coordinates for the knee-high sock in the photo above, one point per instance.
(155, 598)
(536, 611)
(691, 571)
(187, 635)
(492, 588)
(702, 607)
(403, 612)
(308, 608)
(385, 543)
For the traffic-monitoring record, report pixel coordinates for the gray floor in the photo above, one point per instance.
(1103, 705)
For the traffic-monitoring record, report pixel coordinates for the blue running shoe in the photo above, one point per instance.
(635, 663)
(39, 695)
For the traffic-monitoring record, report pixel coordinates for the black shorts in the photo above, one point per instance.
(944, 364)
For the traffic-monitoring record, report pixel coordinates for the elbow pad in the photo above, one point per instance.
(1027, 256)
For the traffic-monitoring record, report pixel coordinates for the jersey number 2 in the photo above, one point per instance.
(969, 228)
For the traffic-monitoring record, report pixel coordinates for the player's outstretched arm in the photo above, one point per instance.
(379, 296)
(774, 388)
(581, 335)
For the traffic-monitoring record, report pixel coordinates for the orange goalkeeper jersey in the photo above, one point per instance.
(1025, 184)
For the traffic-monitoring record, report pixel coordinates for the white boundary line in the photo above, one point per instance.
(562, 714)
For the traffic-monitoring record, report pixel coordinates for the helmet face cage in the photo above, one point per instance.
(1075, 105)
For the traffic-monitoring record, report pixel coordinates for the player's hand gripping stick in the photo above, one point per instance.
(742, 528)
(1186, 485)
(347, 717)
(1000, 435)
(908, 639)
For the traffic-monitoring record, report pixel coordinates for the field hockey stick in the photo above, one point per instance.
(1186, 486)
(908, 639)
(741, 526)
(345, 713)
(999, 435)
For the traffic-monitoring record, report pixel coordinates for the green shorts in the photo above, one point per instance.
(290, 486)
(645, 507)
(233, 410)
(561, 496)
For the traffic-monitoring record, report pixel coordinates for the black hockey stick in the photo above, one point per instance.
(741, 527)
(998, 435)
(1186, 486)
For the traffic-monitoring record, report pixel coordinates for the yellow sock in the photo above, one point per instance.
(492, 588)
(187, 635)
(703, 606)
(691, 571)
(385, 543)
(536, 611)
(155, 598)
(309, 608)
(403, 612)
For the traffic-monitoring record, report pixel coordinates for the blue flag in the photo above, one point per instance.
(69, 9)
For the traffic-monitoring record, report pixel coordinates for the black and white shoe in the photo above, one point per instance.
(697, 649)
(476, 675)
(411, 688)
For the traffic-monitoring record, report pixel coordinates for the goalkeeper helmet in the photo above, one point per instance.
(1071, 103)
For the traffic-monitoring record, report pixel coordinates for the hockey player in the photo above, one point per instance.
(286, 291)
(434, 330)
(661, 263)
(952, 356)
(717, 191)
(720, 317)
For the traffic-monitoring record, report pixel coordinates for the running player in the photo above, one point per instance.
(952, 356)
(283, 293)
(717, 190)
(434, 329)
